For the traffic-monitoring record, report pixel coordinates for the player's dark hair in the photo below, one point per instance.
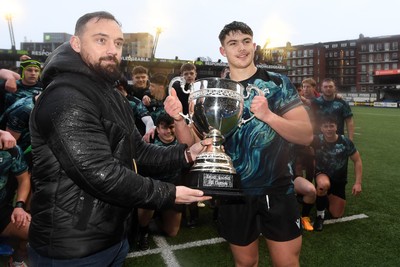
(235, 26)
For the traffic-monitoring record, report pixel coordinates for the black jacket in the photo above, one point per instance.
(84, 140)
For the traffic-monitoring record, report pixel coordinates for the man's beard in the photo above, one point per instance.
(111, 72)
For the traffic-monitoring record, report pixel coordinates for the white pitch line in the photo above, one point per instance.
(346, 219)
(166, 250)
(198, 243)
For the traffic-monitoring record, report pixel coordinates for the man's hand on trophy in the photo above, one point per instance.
(186, 195)
(173, 105)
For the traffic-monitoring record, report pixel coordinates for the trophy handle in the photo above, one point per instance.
(182, 82)
(248, 90)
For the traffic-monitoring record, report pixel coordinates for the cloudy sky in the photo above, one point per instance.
(191, 27)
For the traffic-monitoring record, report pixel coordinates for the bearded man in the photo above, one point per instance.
(86, 149)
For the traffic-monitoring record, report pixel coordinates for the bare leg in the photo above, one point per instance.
(245, 256)
(285, 253)
(336, 206)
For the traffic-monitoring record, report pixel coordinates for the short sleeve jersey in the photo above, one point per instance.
(12, 163)
(260, 155)
(174, 177)
(338, 108)
(139, 110)
(16, 118)
(332, 158)
(22, 91)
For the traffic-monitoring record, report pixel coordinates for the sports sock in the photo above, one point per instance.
(321, 203)
(305, 212)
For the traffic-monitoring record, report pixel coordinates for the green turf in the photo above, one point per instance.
(374, 241)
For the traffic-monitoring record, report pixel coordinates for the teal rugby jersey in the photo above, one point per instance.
(261, 156)
(12, 163)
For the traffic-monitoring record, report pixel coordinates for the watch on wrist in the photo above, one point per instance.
(20, 204)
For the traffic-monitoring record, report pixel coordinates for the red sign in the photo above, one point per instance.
(387, 72)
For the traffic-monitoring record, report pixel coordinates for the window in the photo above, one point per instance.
(395, 45)
(371, 47)
(363, 48)
(378, 57)
(394, 56)
(387, 46)
(371, 58)
(394, 66)
(305, 53)
(334, 45)
(311, 61)
(363, 58)
(352, 53)
(386, 66)
(386, 57)
(379, 47)
(363, 68)
(353, 44)
(294, 53)
(311, 52)
(300, 53)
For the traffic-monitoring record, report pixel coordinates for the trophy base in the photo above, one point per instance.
(224, 185)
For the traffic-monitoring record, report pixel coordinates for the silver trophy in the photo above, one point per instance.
(215, 109)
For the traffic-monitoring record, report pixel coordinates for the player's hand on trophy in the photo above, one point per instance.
(259, 107)
(186, 195)
(173, 105)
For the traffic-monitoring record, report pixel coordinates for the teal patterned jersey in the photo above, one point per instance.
(338, 108)
(16, 118)
(22, 91)
(175, 177)
(156, 108)
(332, 158)
(12, 163)
(139, 110)
(260, 155)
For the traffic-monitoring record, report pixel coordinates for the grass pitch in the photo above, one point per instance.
(371, 241)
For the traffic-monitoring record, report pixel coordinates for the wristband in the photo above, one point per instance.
(189, 156)
(20, 204)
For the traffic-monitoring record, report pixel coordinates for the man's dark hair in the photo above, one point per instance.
(235, 26)
(328, 119)
(139, 70)
(328, 80)
(159, 79)
(81, 23)
(165, 119)
(188, 67)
